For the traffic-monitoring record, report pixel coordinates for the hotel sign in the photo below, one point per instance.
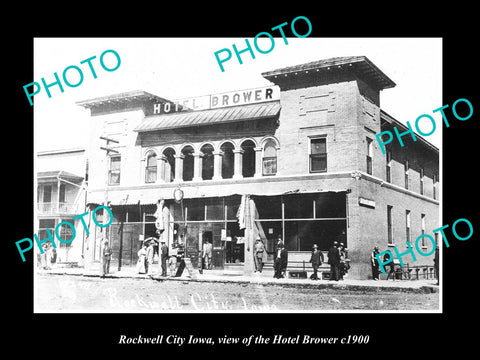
(233, 98)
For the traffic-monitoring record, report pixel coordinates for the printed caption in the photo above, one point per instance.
(245, 340)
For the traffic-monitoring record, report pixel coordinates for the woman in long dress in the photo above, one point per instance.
(142, 258)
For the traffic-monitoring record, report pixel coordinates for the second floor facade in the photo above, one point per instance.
(324, 121)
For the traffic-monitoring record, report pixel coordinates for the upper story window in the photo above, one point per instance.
(269, 158)
(318, 154)
(421, 181)
(151, 168)
(406, 173)
(389, 166)
(369, 155)
(114, 170)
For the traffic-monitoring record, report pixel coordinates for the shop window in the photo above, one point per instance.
(228, 159)
(114, 171)
(195, 210)
(298, 206)
(232, 203)
(151, 168)
(318, 154)
(248, 158)
(65, 233)
(188, 163)
(169, 166)
(330, 205)
(268, 207)
(369, 155)
(207, 162)
(301, 235)
(269, 158)
(215, 209)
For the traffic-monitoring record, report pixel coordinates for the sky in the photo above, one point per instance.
(175, 68)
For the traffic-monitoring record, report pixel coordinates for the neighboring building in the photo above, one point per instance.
(301, 153)
(61, 195)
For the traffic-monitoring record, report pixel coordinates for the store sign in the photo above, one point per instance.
(214, 101)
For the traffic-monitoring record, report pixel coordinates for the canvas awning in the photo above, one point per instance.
(211, 116)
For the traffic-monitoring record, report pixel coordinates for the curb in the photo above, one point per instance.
(424, 289)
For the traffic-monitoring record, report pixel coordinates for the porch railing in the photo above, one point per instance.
(57, 208)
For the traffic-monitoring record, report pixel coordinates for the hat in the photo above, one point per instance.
(315, 246)
(375, 248)
(341, 244)
(335, 243)
(162, 241)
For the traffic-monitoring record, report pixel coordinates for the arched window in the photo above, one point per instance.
(188, 163)
(228, 159)
(248, 158)
(207, 162)
(151, 168)
(269, 158)
(169, 168)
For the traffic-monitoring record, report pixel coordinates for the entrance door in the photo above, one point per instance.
(235, 248)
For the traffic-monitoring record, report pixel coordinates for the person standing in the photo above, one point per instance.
(106, 257)
(316, 259)
(258, 255)
(142, 259)
(334, 261)
(164, 257)
(281, 261)
(374, 262)
(207, 254)
(149, 257)
(344, 261)
(386, 257)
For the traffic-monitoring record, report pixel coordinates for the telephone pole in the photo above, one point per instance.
(108, 150)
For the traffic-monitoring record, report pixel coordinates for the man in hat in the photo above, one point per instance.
(316, 259)
(334, 261)
(258, 254)
(281, 261)
(106, 256)
(164, 257)
(374, 262)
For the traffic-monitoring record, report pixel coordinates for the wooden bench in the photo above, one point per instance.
(303, 270)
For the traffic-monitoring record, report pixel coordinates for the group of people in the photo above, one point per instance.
(146, 256)
(338, 260)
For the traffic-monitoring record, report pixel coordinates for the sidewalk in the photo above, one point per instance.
(265, 278)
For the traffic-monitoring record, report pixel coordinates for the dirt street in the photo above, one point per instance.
(66, 293)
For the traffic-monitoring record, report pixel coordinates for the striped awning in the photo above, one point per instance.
(211, 116)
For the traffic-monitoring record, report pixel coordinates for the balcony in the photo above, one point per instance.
(55, 208)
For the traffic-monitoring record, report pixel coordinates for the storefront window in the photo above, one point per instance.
(298, 206)
(215, 209)
(195, 210)
(330, 205)
(268, 207)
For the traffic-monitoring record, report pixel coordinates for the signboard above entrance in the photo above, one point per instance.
(232, 98)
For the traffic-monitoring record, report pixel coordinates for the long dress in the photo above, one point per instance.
(142, 257)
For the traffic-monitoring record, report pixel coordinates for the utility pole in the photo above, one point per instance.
(108, 150)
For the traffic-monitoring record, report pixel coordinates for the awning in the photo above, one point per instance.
(211, 116)
(257, 187)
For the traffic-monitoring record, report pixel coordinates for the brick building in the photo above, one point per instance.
(301, 153)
